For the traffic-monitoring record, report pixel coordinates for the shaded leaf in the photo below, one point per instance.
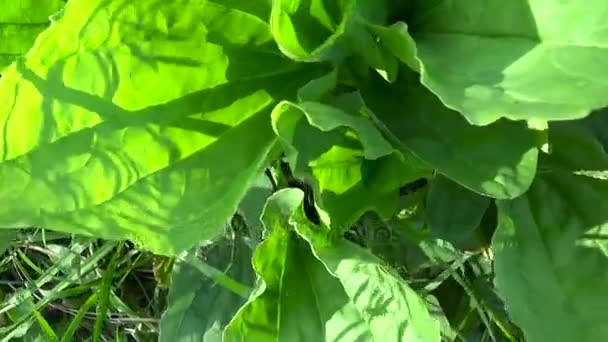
(596, 123)
(353, 167)
(320, 88)
(418, 122)
(452, 211)
(483, 288)
(397, 40)
(252, 205)
(550, 247)
(321, 30)
(199, 308)
(318, 30)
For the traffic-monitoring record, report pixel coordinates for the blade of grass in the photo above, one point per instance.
(122, 307)
(104, 293)
(217, 275)
(43, 236)
(445, 274)
(46, 327)
(89, 265)
(21, 296)
(75, 323)
(430, 251)
(29, 262)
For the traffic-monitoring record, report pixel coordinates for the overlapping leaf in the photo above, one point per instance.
(354, 167)
(392, 310)
(452, 211)
(466, 154)
(143, 120)
(21, 21)
(550, 246)
(519, 59)
(252, 205)
(316, 30)
(298, 300)
(199, 308)
(322, 30)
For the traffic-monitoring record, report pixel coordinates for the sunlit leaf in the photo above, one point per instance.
(391, 308)
(21, 21)
(141, 131)
(518, 59)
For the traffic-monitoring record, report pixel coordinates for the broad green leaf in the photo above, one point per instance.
(393, 310)
(323, 30)
(21, 21)
(521, 59)
(199, 308)
(397, 40)
(353, 166)
(498, 160)
(550, 248)
(318, 30)
(452, 211)
(152, 131)
(297, 299)
(310, 30)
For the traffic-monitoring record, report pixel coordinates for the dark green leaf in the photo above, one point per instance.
(452, 211)
(199, 308)
(252, 205)
(466, 154)
(354, 168)
(550, 246)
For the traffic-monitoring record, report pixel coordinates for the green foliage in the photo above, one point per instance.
(20, 23)
(57, 281)
(560, 240)
(200, 307)
(466, 154)
(452, 153)
(493, 59)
